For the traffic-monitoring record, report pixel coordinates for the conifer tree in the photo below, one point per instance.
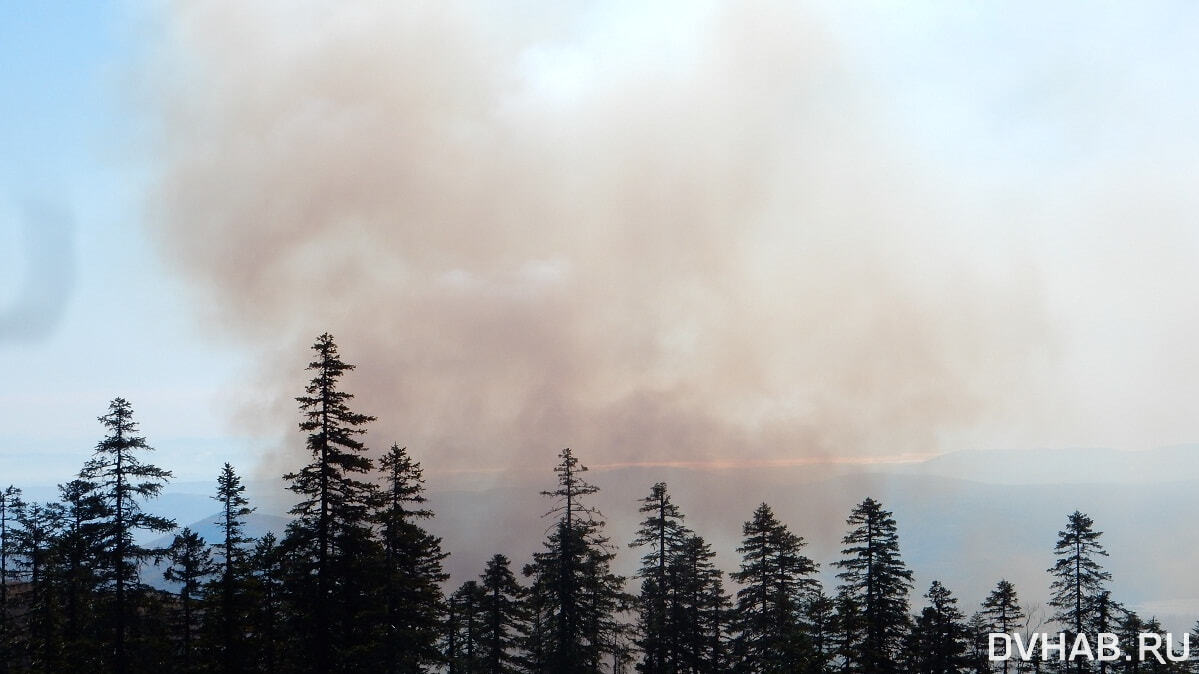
(332, 516)
(940, 640)
(535, 641)
(1078, 578)
(123, 483)
(603, 605)
(776, 584)
(821, 612)
(464, 650)
(877, 580)
(503, 617)
(229, 588)
(413, 572)
(578, 595)
(847, 623)
(977, 657)
(80, 552)
(267, 622)
(1106, 614)
(1131, 627)
(10, 504)
(36, 541)
(190, 564)
(701, 608)
(662, 533)
(1001, 612)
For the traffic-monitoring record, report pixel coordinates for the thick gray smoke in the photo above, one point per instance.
(673, 235)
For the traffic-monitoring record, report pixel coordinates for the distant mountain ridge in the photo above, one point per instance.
(1084, 465)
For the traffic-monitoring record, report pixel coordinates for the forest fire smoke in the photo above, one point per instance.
(682, 238)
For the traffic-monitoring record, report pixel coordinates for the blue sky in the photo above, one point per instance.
(71, 188)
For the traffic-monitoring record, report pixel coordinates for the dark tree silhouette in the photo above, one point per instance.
(464, 652)
(1106, 615)
(1078, 578)
(333, 511)
(36, 540)
(663, 533)
(1001, 612)
(122, 483)
(10, 503)
(877, 582)
(701, 608)
(503, 616)
(231, 551)
(847, 623)
(821, 612)
(977, 660)
(940, 641)
(81, 554)
(412, 566)
(266, 588)
(577, 596)
(191, 563)
(776, 584)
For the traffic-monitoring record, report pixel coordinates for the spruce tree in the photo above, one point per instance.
(37, 539)
(503, 617)
(464, 650)
(577, 596)
(875, 578)
(79, 544)
(776, 583)
(662, 533)
(701, 608)
(10, 504)
(847, 625)
(535, 641)
(940, 640)
(1001, 612)
(1078, 578)
(821, 612)
(123, 483)
(1106, 614)
(267, 634)
(603, 605)
(190, 565)
(228, 592)
(412, 567)
(331, 520)
(977, 657)
(1130, 628)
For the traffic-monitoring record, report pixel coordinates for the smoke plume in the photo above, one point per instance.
(677, 235)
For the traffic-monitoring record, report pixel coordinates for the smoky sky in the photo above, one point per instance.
(679, 236)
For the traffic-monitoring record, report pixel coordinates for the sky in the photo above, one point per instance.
(88, 310)
(703, 234)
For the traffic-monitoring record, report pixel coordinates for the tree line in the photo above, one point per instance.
(356, 583)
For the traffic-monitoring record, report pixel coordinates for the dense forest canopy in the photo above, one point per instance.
(355, 583)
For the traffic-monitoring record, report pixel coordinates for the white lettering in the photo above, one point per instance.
(1082, 648)
(1047, 646)
(1143, 646)
(1026, 651)
(1109, 647)
(996, 638)
(1184, 654)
